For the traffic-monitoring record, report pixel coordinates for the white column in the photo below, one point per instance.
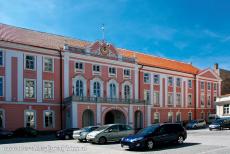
(186, 92)
(182, 92)
(136, 81)
(219, 89)
(98, 113)
(174, 92)
(20, 76)
(74, 110)
(8, 76)
(39, 78)
(66, 74)
(131, 114)
(149, 115)
(196, 93)
(151, 88)
(162, 89)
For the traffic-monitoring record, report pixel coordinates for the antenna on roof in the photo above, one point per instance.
(103, 32)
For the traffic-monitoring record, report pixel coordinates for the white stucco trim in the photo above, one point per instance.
(74, 114)
(35, 88)
(39, 79)
(53, 118)
(108, 88)
(123, 89)
(74, 80)
(35, 117)
(66, 74)
(4, 118)
(91, 86)
(20, 89)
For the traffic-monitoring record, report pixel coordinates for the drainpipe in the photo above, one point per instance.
(61, 88)
(195, 96)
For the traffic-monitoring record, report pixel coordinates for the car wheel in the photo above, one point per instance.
(80, 140)
(221, 128)
(149, 144)
(67, 137)
(180, 140)
(210, 129)
(102, 140)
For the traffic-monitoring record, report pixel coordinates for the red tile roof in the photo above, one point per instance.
(52, 41)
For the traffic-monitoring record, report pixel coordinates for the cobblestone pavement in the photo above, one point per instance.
(198, 141)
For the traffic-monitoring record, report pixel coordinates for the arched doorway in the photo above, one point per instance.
(115, 116)
(138, 120)
(87, 118)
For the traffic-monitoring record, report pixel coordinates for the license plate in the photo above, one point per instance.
(125, 146)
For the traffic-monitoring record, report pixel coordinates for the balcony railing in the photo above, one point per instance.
(104, 100)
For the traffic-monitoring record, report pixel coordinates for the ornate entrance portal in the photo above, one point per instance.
(115, 116)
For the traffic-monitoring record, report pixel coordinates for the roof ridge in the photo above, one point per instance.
(42, 32)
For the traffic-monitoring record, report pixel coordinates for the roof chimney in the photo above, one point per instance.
(216, 69)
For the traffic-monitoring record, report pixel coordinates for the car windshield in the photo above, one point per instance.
(217, 121)
(101, 128)
(148, 130)
(193, 121)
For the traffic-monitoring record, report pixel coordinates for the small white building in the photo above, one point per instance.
(223, 106)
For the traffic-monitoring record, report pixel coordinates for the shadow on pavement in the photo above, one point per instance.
(167, 147)
(40, 138)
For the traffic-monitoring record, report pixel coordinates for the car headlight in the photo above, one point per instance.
(137, 139)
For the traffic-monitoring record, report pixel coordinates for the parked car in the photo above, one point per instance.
(5, 133)
(212, 118)
(220, 124)
(26, 132)
(109, 133)
(194, 124)
(82, 133)
(155, 134)
(66, 133)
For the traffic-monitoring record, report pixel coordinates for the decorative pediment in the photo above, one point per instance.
(208, 73)
(104, 49)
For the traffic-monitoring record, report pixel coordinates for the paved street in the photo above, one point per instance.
(198, 141)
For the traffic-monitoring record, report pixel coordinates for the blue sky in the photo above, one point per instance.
(196, 31)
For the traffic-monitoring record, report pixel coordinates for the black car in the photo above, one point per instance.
(155, 134)
(220, 124)
(26, 132)
(66, 133)
(5, 133)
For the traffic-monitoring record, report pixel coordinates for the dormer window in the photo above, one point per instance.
(79, 66)
(96, 68)
(127, 72)
(112, 71)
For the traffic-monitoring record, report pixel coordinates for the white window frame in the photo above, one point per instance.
(77, 69)
(209, 83)
(226, 108)
(123, 89)
(3, 58)
(180, 82)
(180, 99)
(129, 70)
(35, 88)
(96, 72)
(154, 116)
(44, 89)
(178, 113)
(158, 78)
(147, 95)
(4, 118)
(202, 89)
(3, 85)
(172, 116)
(215, 87)
(171, 99)
(44, 64)
(35, 62)
(168, 79)
(209, 96)
(53, 118)
(154, 100)
(74, 80)
(191, 115)
(110, 73)
(148, 79)
(35, 117)
(189, 94)
(112, 81)
(190, 87)
(202, 95)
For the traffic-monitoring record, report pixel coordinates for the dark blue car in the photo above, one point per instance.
(155, 134)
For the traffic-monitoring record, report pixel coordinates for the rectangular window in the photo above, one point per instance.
(156, 117)
(209, 86)
(30, 88)
(190, 99)
(170, 81)
(156, 98)
(202, 115)
(215, 86)
(79, 66)
(170, 98)
(202, 85)
(178, 99)
(209, 99)
(48, 90)
(189, 83)
(226, 109)
(30, 119)
(146, 78)
(96, 68)
(49, 119)
(127, 72)
(30, 62)
(1, 58)
(170, 117)
(48, 64)
(112, 70)
(202, 99)
(1, 86)
(2, 119)
(178, 82)
(178, 116)
(156, 79)
(147, 96)
(190, 116)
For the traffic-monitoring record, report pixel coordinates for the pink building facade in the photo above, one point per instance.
(51, 82)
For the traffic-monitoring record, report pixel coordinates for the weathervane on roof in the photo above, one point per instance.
(103, 32)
